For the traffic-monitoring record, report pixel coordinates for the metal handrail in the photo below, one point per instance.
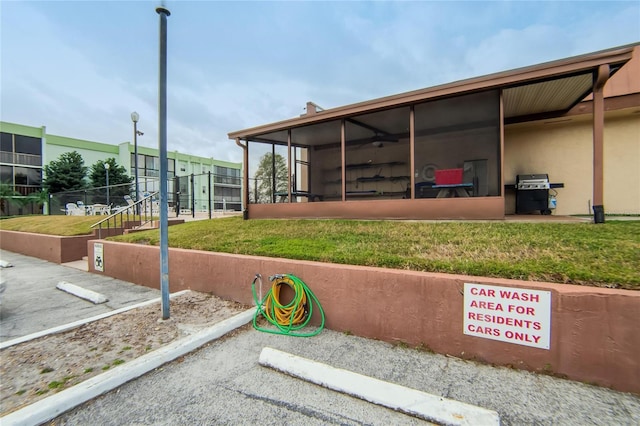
(144, 207)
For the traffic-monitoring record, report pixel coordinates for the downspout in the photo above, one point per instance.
(245, 179)
(598, 142)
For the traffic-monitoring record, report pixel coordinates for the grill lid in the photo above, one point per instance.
(532, 181)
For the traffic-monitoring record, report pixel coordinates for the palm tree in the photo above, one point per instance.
(39, 198)
(6, 193)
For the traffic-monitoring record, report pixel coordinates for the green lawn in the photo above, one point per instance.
(51, 225)
(59, 225)
(606, 255)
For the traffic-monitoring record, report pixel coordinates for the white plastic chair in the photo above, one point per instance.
(74, 210)
(119, 209)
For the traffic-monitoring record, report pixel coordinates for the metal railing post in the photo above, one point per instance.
(209, 194)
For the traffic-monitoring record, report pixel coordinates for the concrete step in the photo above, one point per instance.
(82, 265)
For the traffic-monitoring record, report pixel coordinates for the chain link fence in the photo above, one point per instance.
(113, 196)
(206, 193)
(188, 195)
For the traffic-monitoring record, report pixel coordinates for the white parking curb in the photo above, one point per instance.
(51, 407)
(410, 401)
(83, 293)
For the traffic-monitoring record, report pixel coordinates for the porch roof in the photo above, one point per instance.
(529, 93)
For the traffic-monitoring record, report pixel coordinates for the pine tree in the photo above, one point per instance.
(65, 174)
(119, 180)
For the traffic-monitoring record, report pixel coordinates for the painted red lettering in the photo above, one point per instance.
(523, 337)
(484, 330)
(525, 297)
(483, 292)
(492, 306)
(505, 294)
(523, 310)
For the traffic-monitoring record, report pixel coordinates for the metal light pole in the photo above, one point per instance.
(106, 168)
(162, 142)
(135, 117)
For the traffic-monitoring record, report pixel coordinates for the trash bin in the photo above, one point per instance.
(598, 214)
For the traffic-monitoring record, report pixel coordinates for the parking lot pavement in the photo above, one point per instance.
(31, 302)
(223, 383)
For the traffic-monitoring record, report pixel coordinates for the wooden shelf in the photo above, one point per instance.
(369, 165)
(378, 178)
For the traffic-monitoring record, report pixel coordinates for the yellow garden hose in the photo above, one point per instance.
(287, 318)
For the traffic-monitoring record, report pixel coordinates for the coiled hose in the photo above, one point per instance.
(293, 316)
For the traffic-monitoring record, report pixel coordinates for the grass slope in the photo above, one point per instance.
(606, 255)
(65, 226)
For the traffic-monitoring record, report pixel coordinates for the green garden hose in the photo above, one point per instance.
(290, 318)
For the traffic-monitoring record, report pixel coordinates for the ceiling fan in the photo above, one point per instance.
(379, 139)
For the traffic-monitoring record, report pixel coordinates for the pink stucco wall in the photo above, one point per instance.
(52, 248)
(594, 333)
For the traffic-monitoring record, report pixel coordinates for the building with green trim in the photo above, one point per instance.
(193, 180)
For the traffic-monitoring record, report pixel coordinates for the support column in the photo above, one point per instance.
(412, 151)
(598, 142)
(245, 178)
(289, 166)
(343, 158)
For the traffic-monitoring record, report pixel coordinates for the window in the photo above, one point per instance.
(378, 155)
(149, 166)
(6, 143)
(18, 149)
(6, 174)
(152, 163)
(27, 176)
(461, 132)
(28, 145)
(226, 175)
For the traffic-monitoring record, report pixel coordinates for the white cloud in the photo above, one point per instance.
(511, 48)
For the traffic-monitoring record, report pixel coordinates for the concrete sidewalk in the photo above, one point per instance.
(31, 302)
(223, 383)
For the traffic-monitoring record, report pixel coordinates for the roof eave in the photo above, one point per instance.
(491, 81)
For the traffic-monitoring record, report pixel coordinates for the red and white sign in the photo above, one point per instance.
(508, 314)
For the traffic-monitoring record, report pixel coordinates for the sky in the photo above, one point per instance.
(81, 67)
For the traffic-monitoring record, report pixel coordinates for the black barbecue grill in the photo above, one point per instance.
(532, 193)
